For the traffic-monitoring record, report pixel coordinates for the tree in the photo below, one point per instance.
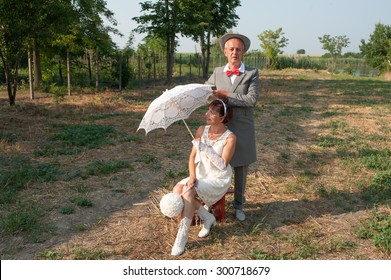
(94, 33)
(377, 51)
(160, 20)
(204, 19)
(86, 33)
(301, 51)
(334, 45)
(272, 42)
(46, 19)
(69, 42)
(14, 28)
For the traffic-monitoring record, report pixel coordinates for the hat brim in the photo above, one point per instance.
(244, 39)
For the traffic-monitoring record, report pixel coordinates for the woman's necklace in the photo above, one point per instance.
(213, 135)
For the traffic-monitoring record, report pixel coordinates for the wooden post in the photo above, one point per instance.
(120, 71)
(68, 72)
(139, 69)
(180, 66)
(190, 65)
(154, 68)
(31, 84)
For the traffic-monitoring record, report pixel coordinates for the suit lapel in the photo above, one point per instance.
(237, 81)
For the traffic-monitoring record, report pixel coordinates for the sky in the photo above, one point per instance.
(302, 21)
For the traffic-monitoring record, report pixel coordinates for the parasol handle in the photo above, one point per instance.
(183, 119)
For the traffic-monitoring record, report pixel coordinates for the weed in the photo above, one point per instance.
(170, 174)
(130, 138)
(380, 188)
(322, 191)
(337, 244)
(289, 111)
(81, 227)
(329, 141)
(338, 125)
(378, 229)
(284, 156)
(105, 116)
(81, 201)
(47, 172)
(152, 161)
(328, 114)
(173, 154)
(15, 174)
(67, 209)
(21, 219)
(81, 188)
(257, 254)
(50, 255)
(52, 150)
(307, 248)
(17, 171)
(100, 167)
(89, 254)
(7, 138)
(118, 191)
(258, 228)
(88, 136)
(373, 159)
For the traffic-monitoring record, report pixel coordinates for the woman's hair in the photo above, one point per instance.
(222, 108)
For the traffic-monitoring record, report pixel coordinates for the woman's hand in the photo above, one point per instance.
(192, 182)
(196, 143)
(199, 145)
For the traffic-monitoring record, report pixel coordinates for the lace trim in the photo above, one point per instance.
(208, 140)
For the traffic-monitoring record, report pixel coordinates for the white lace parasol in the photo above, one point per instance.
(174, 105)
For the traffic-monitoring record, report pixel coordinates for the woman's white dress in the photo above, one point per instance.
(213, 183)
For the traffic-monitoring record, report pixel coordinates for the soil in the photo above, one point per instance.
(286, 216)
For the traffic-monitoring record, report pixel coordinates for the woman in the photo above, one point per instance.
(210, 172)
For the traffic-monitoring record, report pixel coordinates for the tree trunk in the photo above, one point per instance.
(16, 79)
(206, 73)
(31, 85)
(68, 72)
(203, 56)
(7, 73)
(97, 71)
(37, 65)
(170, 61)
(60, 72)
(89, 66)
(8, 76)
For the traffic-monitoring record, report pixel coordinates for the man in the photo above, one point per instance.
(239, 86)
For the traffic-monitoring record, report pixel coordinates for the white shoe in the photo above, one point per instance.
(181, 237)
(208, 219)
(240, 215)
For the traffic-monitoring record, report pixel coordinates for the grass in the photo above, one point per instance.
(74, 138)
(18, 171)
(100, 167)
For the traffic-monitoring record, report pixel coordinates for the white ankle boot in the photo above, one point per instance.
(181, 237)
(208, 220)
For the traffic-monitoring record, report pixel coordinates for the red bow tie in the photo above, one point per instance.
(236, 72)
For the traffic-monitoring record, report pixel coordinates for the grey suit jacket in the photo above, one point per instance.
(243, 96)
